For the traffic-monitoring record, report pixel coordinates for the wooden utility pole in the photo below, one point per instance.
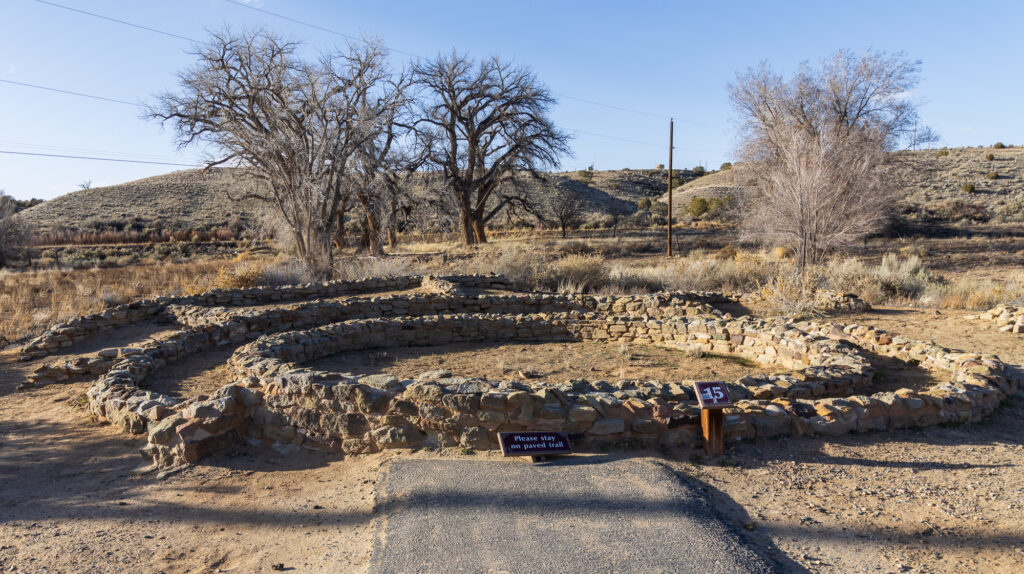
(670, 127)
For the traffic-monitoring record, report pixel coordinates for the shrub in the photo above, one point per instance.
(698, 170)
(991, 175)
(698, 207)
(967, 188)
(990, 157)
(902, 278)
(999, 145)
(577, 273)
(725, 166)
(727, 252)
(942, 152)
(585, 176)
(644, 203)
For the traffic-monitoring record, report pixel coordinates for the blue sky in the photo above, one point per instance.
(663, 58)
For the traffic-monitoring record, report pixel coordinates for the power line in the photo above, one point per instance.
(417, 56)
(108, 18)
(96, 158)
(314, 26)
(22, 146)
(49, 89)
(638, 142)
(634, 111)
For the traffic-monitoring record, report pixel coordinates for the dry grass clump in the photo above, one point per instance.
(577, 273)
(361, 267)
(977, 294)
(31, 301)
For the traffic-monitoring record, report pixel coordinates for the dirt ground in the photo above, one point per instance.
(552, 362)
(945, 499)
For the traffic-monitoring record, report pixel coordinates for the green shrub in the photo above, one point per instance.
(999, 145)
(967, 188)
(698, 171)
(585, 175)
(991, 175)
(990, 156)
(698, 207)
(644, 203)
(942, 152)
(725, 166)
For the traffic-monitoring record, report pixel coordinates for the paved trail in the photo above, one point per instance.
(576, 514)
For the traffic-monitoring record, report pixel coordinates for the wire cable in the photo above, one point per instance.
(108, 18)
(49, 89)
(96, 158)
(417, 56)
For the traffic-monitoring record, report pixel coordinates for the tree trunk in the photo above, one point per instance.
(392, 238)
(479, 233)
(467, 228)
(373, 238)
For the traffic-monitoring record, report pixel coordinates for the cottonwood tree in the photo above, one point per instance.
(482, 124)
(566, 210)
(14, 234)
(293, 124)
(815, 148)
(385, 163)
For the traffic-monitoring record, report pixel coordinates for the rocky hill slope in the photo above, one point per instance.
(934, 185)
(198, 200)
(931, 183)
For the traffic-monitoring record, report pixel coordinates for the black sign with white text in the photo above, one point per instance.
(529, 443)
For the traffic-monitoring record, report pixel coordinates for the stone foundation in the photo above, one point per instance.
(277, 402)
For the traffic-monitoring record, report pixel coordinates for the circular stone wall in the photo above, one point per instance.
(276, 401)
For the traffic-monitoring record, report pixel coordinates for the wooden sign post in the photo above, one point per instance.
(536, 445)
(713, 397)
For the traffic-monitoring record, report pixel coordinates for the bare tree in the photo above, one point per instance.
(87, 184)
(14, 234)
(566, 210)
(294, 125)
(384, 164)
(481, 124)
(814, 147)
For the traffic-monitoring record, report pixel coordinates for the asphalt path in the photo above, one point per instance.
(575, 514)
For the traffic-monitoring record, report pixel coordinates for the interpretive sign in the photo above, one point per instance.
(529, 443)
(712, 395)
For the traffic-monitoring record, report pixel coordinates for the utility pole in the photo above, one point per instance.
(670, 128)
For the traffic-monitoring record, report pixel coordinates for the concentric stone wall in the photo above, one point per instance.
(278, 402)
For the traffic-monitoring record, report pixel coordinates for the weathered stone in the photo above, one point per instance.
(424, 392)
(461, 402)
(384, 382)
(396, 437)
(347, 425)
(580, 413)
(607, 426)
(476, 438)
(370, 400)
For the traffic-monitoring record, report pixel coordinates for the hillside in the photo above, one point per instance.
(188, 199)
(929, 181)
(197, 199)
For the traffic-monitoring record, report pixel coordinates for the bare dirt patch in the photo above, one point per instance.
(71, 503)
(555, 362)
(200, 374)
(942, 499)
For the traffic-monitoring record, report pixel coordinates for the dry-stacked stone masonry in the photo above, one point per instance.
(276, 401)
(1008, 318)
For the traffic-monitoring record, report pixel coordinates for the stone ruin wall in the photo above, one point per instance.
(277, 402)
